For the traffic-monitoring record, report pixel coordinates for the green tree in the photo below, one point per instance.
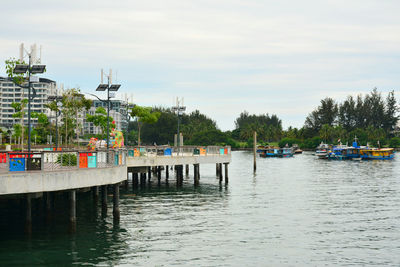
(144, 115)
(100, 119)
(19, 113)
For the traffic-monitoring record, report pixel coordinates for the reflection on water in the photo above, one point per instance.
(292, 212)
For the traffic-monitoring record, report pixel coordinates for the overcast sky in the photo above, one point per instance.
(224, 57)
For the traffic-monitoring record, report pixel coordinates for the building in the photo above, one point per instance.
(118, 111)
(10, 92)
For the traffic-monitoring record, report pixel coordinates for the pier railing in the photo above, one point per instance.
(168, 151)
(60, 160)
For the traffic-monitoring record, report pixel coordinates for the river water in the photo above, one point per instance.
(299, 211)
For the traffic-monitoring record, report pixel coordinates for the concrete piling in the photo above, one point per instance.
(159, 174)
(72, 210)
(220, 172)
(116, 213)
(196, 174)
(187, 170)
(28, 214)
(104, 200)
(226, 173)
(135, 180)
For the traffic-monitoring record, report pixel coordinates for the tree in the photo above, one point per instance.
(42, 127)
(144, 115)
(391, 109)
(19, 109)
(19, 78)
(73, 103)
(100, 119)
(326, 113)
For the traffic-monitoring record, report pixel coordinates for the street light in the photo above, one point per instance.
(179, 109)
(58, 100)
(109, 87)
(31, 69)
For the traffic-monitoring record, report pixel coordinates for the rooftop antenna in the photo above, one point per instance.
(21, 52)
(40, 59)
(34, 53)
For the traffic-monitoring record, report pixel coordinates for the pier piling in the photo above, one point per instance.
(104, 200)
(220, 172)
(28, 214)
(226, 173)
(72, 210)
(196, 174)
(116, 213)
(187, 170)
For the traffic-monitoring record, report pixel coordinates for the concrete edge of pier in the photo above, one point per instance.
(40, 181)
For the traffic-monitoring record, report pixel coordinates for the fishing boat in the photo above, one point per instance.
(285, 152)
(322, 151)
(338, 152)
(296, 149)
(268, 152)
(376, 153)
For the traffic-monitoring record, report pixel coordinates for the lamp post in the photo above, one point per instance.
(58, 100)
(31, 69)
(179, 109)
(109, 87)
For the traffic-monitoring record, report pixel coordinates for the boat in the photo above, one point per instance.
(322, 151)
(338, 152)
(285, 152)
(376, 153)
(296, 149)
(268, 152)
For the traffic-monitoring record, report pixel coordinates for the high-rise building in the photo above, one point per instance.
(118, 111)
(10, 92)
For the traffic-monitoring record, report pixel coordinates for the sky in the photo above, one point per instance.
(223, 57)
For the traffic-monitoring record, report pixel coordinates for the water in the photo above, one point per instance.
(293, 212)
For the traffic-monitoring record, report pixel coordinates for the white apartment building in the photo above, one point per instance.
(10, 92)
(118, 111)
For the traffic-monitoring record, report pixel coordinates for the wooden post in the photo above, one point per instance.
(166, 172)
(28, 216)
(104, 200)
(216, 170)
(116, 213)
(149, 171)
(72, 211)
(226, 172)
(255, 151)
(187, 170)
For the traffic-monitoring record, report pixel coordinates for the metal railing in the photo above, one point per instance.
(60, 160)
(168, 151)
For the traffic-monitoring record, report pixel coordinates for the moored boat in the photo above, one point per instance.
(376, 153)
(322, 151)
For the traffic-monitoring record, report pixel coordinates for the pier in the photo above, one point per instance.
(41, 174)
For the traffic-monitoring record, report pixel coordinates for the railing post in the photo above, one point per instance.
(42, 163)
